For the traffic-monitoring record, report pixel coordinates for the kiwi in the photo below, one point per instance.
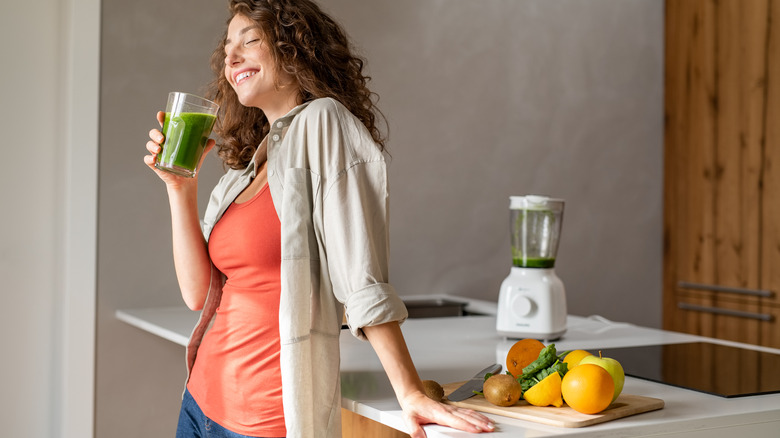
(433, 390)
(502, 390)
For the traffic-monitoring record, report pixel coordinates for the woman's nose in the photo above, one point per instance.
(232, 55)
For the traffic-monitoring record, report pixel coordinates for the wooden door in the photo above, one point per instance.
(770, 218)
(721, 219)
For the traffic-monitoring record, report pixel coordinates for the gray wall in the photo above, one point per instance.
(49, 121)
(484, 99)
(29, 239)
(504, 97)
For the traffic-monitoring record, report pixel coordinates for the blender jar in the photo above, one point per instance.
(536, 228)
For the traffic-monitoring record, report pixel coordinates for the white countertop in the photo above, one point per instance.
(454, 348)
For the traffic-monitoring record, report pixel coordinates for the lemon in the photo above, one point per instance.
(573, 358)
(546, 393)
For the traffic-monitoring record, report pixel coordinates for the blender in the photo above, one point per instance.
(532, 300)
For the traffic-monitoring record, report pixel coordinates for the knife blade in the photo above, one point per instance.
(475, 384)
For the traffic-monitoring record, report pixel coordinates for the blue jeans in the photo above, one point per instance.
(194, 424)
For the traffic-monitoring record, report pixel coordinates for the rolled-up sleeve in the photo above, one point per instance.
(355, 221)
(373, 305)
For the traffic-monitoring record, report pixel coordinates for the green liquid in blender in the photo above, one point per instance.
(533, 262)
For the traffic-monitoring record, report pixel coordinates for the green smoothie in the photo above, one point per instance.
(186, 135)
(533, 262)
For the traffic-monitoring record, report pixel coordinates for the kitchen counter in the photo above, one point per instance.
(452, 349)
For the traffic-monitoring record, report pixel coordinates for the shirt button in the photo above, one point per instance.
(275, 137)
(279, 124)
(271, 172)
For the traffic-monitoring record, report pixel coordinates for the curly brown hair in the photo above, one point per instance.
(310, 46)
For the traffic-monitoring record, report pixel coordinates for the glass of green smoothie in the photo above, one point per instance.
(187, 126)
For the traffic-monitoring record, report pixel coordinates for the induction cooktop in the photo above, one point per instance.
(717, 369)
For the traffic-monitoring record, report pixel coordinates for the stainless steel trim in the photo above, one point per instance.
(728, 312)
(733, 290)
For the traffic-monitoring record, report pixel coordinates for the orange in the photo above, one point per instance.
(546, 393)
(574, 357)
(588, 388)
(521, 354)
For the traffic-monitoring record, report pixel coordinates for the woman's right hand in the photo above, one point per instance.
(190, 254)
(154, 147)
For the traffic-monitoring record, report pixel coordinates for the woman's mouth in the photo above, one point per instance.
(244, 75)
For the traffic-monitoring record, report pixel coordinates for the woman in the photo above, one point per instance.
(296, 234)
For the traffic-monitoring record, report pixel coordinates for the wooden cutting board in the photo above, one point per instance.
(624, 406)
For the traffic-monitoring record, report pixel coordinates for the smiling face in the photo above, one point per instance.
(252, 72)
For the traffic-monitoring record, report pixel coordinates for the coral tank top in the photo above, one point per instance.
(236, 379)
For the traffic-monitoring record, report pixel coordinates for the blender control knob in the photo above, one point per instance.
(521, 305)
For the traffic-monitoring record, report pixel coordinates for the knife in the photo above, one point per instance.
(475, 384)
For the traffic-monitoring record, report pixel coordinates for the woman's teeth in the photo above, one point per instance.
(244, 75)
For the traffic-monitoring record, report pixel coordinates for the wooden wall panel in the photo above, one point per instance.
(770, 212)
(690, 110)
(722, 214)
(741, 54)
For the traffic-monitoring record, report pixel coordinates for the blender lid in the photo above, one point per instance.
(534, 202)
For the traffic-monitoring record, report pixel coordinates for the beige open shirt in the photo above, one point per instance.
(328, 181)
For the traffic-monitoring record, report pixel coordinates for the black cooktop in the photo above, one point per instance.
(708, 367)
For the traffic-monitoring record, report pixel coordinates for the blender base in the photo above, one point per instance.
(532, 304)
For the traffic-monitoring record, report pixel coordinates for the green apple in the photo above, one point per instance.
(612, 366)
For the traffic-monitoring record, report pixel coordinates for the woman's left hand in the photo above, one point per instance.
(419, 409)
(389, 344)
